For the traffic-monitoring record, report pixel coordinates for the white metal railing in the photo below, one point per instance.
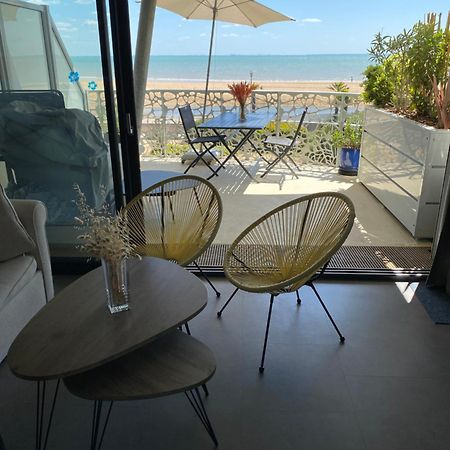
(161, 130)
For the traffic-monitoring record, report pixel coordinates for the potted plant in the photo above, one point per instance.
(406, 130)
(348, 142)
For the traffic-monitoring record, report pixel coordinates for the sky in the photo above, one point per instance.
(320, 27)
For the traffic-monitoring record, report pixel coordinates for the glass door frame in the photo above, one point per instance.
(119, 24)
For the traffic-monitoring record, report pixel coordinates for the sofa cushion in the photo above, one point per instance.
(14, 275)
(14, 240)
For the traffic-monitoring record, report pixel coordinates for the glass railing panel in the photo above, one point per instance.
(71, 91)
(25, 48)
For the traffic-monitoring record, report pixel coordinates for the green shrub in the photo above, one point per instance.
(427, 56)
(405, 66)
(378, 87)
(175, 148)
(350, 136)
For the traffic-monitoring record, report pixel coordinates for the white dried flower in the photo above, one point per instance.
(104, 235)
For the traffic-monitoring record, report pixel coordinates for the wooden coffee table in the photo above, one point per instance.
(75, 333)
(174, 363)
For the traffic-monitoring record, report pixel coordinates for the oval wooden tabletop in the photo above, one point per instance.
(76, 332)
(172, 363)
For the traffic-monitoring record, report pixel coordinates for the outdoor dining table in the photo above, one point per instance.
(230, 120)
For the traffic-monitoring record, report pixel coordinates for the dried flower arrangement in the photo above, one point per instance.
(105, 235)
(241, 92)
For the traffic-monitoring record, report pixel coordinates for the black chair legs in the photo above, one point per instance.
(280, 158)
(219, 313)
(299, 301)
(272, 296)
(207, 279)
(261, 367)
(311, 285)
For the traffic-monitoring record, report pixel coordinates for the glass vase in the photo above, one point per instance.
(116, 284)
(242, 112)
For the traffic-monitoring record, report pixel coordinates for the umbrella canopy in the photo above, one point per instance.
(243, 12)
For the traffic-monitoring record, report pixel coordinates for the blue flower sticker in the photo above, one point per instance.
(74, 77)
(92, 85)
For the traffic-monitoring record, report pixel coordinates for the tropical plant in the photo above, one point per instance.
(339, 86)
(429, 57)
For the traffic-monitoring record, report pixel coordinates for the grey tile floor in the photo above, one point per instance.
(387, 387)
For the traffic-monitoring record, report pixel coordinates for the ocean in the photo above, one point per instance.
(345, 67)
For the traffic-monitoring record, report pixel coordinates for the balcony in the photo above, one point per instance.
(244, 199)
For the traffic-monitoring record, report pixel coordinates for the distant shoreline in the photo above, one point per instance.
(263, 69)
(307, 86)
(87, 78)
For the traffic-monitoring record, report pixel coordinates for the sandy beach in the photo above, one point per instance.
(314, 86)
(321, 86)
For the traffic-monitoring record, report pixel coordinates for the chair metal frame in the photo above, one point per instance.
(207, 143)
(283, 154)
(306, 277)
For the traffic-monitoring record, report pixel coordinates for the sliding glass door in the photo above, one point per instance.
(66, 109)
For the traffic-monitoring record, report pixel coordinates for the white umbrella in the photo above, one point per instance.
(242, 12)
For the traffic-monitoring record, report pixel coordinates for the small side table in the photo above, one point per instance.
(172, 364)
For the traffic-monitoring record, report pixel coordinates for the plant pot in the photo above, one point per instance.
(348, 161)
(116, 284)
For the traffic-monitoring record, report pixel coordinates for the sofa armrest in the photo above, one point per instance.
(33, 215)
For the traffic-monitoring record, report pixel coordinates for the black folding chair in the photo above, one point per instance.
(205, 143)
(281, 148)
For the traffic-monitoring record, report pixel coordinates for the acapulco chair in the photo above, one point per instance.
(288, 248)
(176, 219)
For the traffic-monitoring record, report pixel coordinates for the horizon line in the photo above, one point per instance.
(251, 54)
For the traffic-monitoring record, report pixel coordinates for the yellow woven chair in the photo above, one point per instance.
(176, 219)
(285, 249)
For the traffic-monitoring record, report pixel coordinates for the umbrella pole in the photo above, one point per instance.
(213, 27)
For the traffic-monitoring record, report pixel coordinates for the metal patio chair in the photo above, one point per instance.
(288, 248)
(194, 139)
(176, 219)
(281, 147)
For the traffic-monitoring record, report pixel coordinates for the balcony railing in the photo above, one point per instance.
(162, 133)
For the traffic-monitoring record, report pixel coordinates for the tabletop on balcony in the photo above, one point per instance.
(230, 120)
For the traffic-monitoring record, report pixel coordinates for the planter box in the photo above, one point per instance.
(403, 164)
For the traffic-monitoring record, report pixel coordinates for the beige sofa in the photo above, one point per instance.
(26, 282)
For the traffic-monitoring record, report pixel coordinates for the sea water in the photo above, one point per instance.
(343, 67)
